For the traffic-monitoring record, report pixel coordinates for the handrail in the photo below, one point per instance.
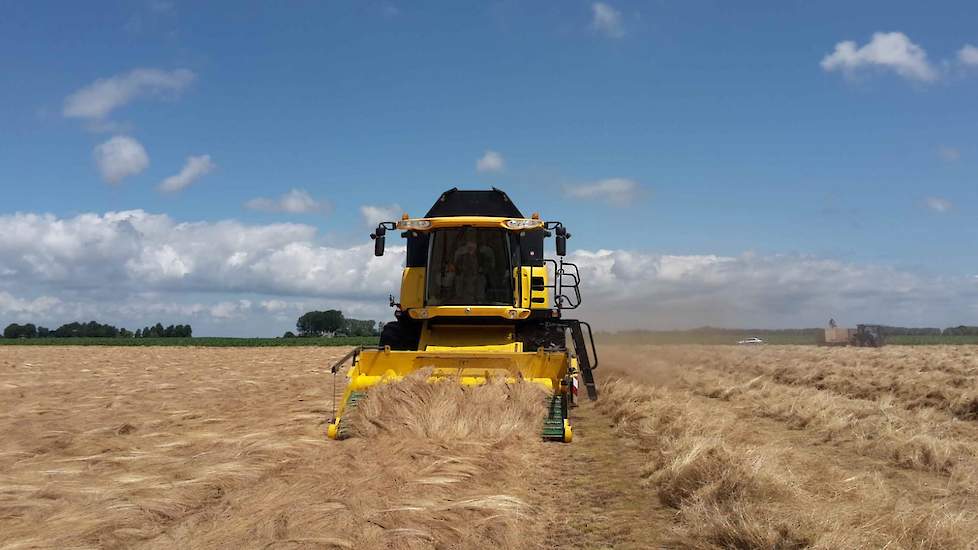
(351, 355)
(562, 300)
(594, 349)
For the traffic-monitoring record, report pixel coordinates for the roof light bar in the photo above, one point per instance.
(413, 224)
(523, 224)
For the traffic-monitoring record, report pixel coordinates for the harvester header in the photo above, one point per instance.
(480, 300)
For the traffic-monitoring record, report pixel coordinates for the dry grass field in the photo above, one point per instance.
(689, 447)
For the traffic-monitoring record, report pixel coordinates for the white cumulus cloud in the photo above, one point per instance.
(491, 161)
(375, 213)
(296, 201)
(968, 55)
(135, 250)
(938, 204)
(230, 310)
(891, 51)
(100, 98)
(638, 289)
(119, 158)
(193, 169)
(11, 305)
(276, 306)
(134, 268)
(607, 20)
(615, 191)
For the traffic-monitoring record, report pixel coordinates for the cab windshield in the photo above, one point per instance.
(469, 266)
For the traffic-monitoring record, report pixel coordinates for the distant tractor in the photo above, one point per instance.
(864, 336)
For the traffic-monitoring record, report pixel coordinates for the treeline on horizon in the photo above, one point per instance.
(332, 323)
(94, 329)
(329, 324)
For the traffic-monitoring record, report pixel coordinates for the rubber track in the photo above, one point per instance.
(553, 425)
(351, 403)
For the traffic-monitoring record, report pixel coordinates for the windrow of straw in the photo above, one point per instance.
(731, 493)
(944, 378)
(724, 497)
(921, 439)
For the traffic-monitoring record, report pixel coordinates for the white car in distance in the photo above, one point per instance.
(750, 341)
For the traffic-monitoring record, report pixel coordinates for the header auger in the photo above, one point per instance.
(479, 300)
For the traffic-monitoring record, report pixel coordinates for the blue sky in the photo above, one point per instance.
(714, 129)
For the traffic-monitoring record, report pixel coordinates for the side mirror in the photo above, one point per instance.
(560, 241)
(379, 237)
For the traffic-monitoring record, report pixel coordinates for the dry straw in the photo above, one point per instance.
(749, 460)
(207, 448)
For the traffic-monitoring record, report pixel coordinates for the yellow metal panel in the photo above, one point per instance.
(522, 289)
(544, 368)
(490, 348)
(466, 335)
(412, 287)
(526, 296)
(539, 299)
(469, 367)
(506, 312)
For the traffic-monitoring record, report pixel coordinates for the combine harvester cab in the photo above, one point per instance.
(480, 301)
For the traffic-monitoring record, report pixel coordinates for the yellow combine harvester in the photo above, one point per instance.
(478, 301)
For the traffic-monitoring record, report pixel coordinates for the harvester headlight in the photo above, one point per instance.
(523, 224)
(414, 224)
